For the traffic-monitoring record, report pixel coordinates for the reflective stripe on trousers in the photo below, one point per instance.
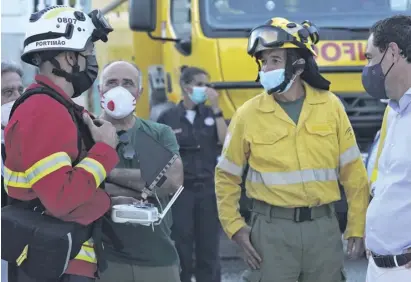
(87, 252)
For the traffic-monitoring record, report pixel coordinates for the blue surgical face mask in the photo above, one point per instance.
(272, 79)
(198, 96)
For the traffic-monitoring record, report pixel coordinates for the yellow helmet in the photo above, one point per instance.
(281, 33)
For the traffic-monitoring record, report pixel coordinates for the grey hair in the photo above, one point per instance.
(140, 74)
(10, 66)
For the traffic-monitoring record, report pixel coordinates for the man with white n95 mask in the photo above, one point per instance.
(148, 254)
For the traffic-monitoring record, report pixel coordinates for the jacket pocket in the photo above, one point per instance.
(269, 138)
(321, 144)
(319, 129)
(269, 148)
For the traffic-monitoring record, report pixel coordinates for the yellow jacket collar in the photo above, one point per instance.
(313, 96)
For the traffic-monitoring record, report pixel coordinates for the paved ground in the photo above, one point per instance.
(233, 266)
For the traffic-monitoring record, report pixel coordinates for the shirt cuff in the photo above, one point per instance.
(234, 227)
(354, 232)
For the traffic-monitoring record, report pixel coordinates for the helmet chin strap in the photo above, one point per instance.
(290, 71)
(58, 71)
(280, 88)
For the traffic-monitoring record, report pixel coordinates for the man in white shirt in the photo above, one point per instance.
(388, 228)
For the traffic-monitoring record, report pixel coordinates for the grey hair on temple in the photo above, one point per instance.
(10, 66)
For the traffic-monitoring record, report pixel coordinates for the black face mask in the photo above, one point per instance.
(81, 80)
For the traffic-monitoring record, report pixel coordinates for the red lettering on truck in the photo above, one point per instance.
(349, 49)
(330, 51)
(334, 51)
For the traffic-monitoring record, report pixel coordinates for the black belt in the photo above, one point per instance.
(300, 214)
(391, 261)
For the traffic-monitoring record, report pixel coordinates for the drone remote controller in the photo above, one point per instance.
(142, 213)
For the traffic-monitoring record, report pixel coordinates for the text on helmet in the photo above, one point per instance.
(51, 43)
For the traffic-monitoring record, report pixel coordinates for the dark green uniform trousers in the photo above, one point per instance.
(308, 251)
(119, 272)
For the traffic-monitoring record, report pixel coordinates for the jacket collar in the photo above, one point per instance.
(313, 96)
(44, 80)
(200, 109)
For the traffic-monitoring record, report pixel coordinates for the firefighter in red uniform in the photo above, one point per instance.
(45, 158)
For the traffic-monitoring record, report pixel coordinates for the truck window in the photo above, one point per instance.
(181, 17)
(245, 14)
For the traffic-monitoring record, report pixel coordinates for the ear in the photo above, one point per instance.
(396, 51)
(137, 94)
(188, 89)
(71, 58)
(299, 66)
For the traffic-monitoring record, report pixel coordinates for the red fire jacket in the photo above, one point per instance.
(41, 144)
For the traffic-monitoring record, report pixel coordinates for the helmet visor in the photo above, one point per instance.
(268, 36)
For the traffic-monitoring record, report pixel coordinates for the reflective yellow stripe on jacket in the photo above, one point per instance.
(37, 171)
(87, 252)
(292, 177)
(49, 165)
(93, 167)
(383, 135)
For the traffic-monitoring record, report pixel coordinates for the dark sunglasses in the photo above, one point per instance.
(124, 139)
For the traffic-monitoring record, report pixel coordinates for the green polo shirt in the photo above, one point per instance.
(144, 246)
(293, 108)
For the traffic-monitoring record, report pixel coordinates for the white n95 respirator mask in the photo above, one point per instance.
(118, 102)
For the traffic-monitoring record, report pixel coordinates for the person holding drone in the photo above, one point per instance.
(147, 253)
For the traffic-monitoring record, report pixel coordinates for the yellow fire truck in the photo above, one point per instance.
(162, 35)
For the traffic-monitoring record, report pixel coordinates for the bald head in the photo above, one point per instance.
(121, 73)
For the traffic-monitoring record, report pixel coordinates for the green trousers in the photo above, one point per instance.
(309, 251)
(117, 272)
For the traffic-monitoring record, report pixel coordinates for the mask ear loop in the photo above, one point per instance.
(383, 56)
(58, 71)
(259, 69)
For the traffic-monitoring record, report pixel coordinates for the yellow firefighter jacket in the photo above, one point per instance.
(292, 165)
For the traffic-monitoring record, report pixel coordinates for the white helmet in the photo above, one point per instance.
(62, 28)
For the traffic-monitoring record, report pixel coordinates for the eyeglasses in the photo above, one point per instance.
(125, 140)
